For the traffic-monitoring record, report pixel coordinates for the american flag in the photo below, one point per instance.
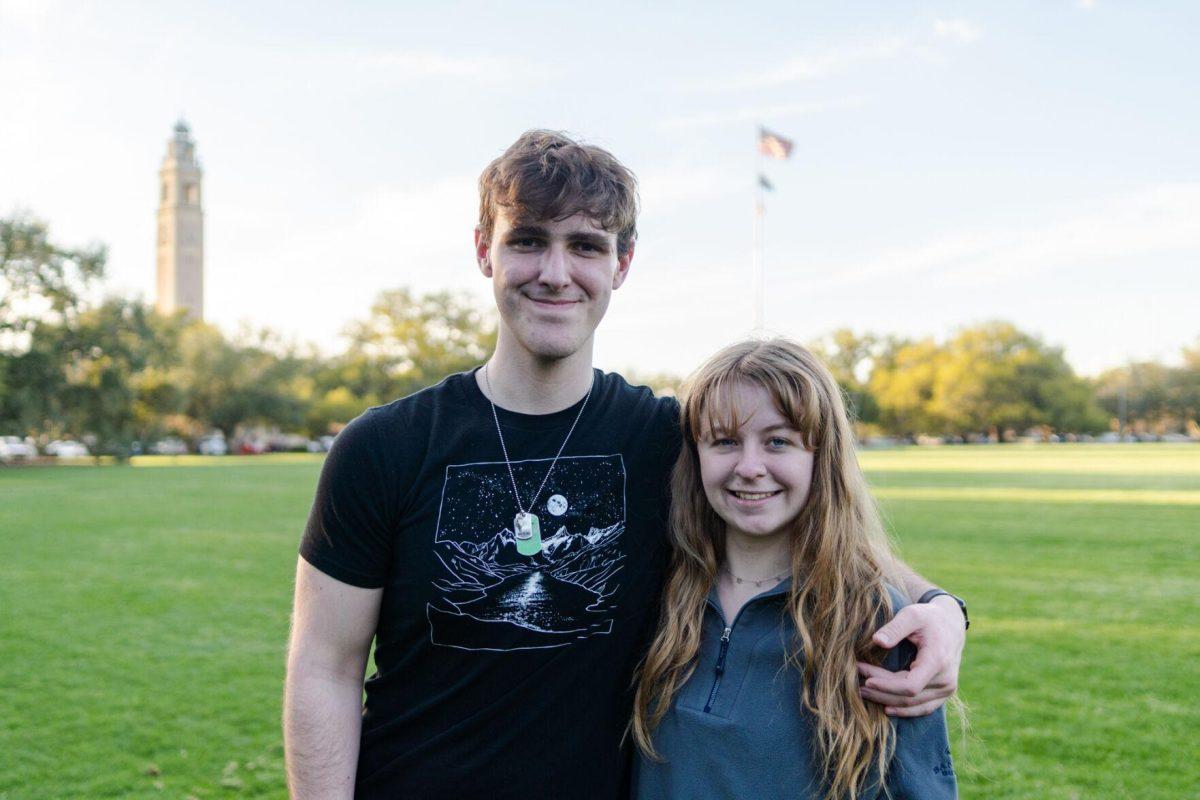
(773, 145)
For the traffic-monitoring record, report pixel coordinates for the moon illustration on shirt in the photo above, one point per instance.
(557, 505)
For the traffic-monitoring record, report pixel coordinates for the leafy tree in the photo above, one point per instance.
(40, 280)
(255, 380)
(988, 377)
(30, 385)
(850, 358)
(1137, 391)
(332, 410)
(903, 382)
(98, 374)
(1152, 394)
(979, 382)
(995, 377)
(409, 342)
(1183, 387)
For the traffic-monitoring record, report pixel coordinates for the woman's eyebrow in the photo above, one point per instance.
(717, 430)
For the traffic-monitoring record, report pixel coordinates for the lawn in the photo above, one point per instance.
(143, 616)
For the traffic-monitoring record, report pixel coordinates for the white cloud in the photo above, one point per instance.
(959, 30)
(820, 64)
(834, 60)
(1157, 219)
(828, 62)
(33, 13)
(1086, 5)
(663, 187)
(731, 116)
(411, 66)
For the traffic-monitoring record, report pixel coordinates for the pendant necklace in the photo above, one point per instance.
(526, 526)
(773, 579)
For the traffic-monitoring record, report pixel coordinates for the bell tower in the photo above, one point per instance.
(180, 228)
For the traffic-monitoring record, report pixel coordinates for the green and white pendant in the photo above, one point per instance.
(529, 534)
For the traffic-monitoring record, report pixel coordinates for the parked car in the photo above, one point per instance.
(66, 448)
(252, 447)
(213, 445)
(287, 443)
(320, 445)
(170, 446)
(14, 448)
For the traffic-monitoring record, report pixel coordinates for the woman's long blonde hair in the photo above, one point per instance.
(840, 560)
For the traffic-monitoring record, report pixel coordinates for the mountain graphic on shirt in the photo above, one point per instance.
(587, 559)
(488, 596)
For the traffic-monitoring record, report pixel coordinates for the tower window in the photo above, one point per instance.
(193, 194)
(166, 192)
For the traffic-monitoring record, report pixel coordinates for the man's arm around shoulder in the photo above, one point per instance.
(938, 629)
(332, 627)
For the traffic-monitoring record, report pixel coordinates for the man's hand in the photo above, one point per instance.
(938, 631)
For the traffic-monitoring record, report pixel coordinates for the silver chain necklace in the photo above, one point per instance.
(526, 526)
(773, 579)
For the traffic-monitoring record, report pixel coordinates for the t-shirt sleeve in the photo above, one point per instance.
(349, 531)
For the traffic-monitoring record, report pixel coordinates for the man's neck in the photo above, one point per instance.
(523, 383)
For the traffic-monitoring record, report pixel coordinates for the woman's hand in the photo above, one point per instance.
(938, 631)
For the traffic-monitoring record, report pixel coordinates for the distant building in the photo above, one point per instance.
(180, 229)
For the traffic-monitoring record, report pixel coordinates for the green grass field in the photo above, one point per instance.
(143, 617)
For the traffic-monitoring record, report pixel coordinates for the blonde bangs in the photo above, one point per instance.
(715, 406)
(710, 397)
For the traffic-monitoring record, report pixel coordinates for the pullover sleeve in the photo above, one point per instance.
(921, 768)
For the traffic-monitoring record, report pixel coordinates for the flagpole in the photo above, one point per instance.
(759, 278)
(777, 147)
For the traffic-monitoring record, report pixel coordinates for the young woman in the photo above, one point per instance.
(780, 575)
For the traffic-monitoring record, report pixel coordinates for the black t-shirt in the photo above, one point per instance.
(499, 674)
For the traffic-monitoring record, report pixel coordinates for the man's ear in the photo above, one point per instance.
(483, 253)
(623, 263)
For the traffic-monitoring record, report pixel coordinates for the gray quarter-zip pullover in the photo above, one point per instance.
(736, 729)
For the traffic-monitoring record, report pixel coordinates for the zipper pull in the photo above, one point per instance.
(721, 652)
(719, 670)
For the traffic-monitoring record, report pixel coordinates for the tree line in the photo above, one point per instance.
(995, 380)
(116, 372)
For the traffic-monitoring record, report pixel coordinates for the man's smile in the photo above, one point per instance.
(553, 302)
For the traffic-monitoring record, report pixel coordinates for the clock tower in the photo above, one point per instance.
(180, 228)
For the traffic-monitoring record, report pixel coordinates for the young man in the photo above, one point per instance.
(500, 536)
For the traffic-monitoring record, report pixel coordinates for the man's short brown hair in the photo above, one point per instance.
(547, 175)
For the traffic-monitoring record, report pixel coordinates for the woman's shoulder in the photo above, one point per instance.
(902, 655)
(898, 598)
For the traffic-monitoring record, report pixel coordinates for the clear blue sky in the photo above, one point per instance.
(955, 162)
